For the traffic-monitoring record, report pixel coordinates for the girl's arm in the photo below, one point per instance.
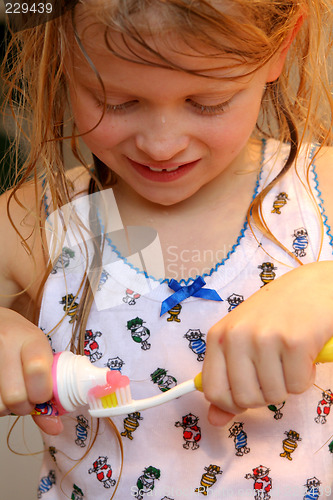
(25, 353)
(265, 348)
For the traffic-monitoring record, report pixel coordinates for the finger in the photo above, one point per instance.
(215, 379)
(245, 386)
(37, 358)
(50, 425)
(3, 410)
(12, 386)
(299, 370)
(218, 417)
(270, 374)
(240, 359)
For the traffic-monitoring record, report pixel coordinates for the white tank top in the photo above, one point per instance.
(172, 452)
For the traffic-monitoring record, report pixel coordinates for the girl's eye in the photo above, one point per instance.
(205, 109)
(114, 108)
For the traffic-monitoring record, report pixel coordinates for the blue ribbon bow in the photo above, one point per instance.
(183, 292)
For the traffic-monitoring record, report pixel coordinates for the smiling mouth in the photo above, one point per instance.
(167, 168)
(164, 169)
(163, 172)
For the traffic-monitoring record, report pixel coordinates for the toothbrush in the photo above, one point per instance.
(115, 398)
(76, 383)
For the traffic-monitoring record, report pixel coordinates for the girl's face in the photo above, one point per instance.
(165, 133)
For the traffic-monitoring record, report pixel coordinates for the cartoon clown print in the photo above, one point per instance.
(70, 306)
(131, 423)
(312, 489)
(279, 202)
(234, 300)
(46, 483)
(52, 451)
(63, 260)
(103, 472)
(146, 482)
(267, 273)
(163, 380)
(47, 408)
(77, 493)
(115, 364)
(300, 241)
(140, 334)
(81, 430)
(208, 479)
(237, 432)
(196, 343)
(174, 313)
(91, 346)
(131, 297)
(191, 431)
(289, 444)
(262, 482)
(276, 409)
(324, 407)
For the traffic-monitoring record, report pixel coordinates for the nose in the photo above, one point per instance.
(162, 138)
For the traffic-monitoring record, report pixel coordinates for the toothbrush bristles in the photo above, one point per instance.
(109, 397)
(109, 401)
(119, 397)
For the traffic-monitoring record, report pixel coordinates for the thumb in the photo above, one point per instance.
(49, 424)
(219, 417)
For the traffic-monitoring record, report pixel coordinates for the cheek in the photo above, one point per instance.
(244, 122)
(234, 128)
(97, 136)
(96, 130)
(232, 132)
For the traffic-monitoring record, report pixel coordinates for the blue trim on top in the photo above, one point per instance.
(321, 200)
(45, 203)
(114, 248)
(184, 282)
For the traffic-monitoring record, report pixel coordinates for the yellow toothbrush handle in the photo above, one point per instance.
(325, 356)
(198, 382)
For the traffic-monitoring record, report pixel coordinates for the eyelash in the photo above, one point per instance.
(114, 108)
(209, 110)
(202, 109)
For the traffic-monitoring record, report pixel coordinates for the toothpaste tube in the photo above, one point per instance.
(73, 377)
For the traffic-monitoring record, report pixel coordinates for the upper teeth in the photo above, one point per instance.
(164, 169)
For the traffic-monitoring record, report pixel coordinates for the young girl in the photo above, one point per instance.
(209, 122)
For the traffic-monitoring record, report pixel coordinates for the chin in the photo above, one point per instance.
(167, 201)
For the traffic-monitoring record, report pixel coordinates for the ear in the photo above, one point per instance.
(278, 60)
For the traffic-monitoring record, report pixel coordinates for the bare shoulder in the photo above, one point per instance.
(20, 239)
(23, 252)
(324, 170)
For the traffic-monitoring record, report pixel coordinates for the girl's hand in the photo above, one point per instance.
(25, 369)
(265, 348)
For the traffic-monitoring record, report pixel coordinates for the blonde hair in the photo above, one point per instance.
(297, 107)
